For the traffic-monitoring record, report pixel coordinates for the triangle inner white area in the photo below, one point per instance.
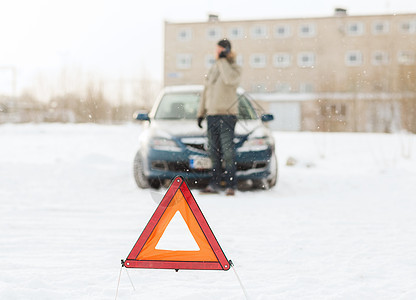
(177, 236)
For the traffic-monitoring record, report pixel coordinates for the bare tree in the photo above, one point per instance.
(96, 108)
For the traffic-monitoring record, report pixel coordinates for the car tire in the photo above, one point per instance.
(138, 169)
(261, 184)
(271, 180)
(274, 171)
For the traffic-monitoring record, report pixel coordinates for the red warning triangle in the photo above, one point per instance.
(146, 254)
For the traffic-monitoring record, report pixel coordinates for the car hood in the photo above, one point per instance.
(185, 128)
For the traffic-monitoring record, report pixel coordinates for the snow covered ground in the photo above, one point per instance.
(340, 224)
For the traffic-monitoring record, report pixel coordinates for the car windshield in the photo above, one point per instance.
(176, 106)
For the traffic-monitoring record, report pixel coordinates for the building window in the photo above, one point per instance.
(214, 33)
(184, 61)
(307, 30)
(259, 31)
(306, 59)
(353, 58)
(306, 87)
(282, 60)
(380, 27)
(408, 27)
(406, 57)
(337, 109)
(282, 31)
(258, 60)
(184, 34)
(209, 61)
(355, 28)
(236, 33)
(283, 87)
(380, 58)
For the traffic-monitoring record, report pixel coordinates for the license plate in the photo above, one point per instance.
(200, 162)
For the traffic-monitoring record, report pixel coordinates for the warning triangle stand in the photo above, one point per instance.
(146, 253)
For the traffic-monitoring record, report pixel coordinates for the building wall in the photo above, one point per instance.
(384, 46)
(354, 55)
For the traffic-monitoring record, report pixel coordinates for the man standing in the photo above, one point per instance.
(219, 104)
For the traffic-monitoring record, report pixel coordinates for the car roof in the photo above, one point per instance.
(190, 89)
(183, 88)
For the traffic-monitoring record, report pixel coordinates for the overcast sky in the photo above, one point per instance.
(125, 37)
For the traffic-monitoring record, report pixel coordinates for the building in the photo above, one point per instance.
(336, 73)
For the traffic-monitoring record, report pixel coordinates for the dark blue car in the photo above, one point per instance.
(172, 144)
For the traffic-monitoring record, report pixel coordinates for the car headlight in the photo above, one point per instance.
(165, 144)
(255, 144)
(258, 140)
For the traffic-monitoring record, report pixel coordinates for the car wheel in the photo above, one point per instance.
(274, 171)
(139, 176)
(261, 184)
(271, 180)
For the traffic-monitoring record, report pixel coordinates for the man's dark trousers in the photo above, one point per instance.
(221, 147)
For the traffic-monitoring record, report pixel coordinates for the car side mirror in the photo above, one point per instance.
(267, 118)
(141, 116)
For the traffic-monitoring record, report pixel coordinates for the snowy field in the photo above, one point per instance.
(340, 224)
